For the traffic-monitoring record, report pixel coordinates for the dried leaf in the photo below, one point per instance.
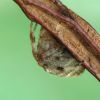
(71, 30)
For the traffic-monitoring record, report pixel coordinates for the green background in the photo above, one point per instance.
(20, 76)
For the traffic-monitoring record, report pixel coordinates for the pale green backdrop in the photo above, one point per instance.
(20, 76)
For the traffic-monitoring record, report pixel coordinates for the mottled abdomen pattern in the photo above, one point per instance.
(54, 57)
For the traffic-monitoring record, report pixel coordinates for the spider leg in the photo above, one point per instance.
(32, 38)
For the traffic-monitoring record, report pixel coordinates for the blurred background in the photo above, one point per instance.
(21, 78)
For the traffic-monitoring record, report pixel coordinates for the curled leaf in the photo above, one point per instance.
(77, 35)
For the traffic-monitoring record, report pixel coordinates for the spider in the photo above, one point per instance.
(52, 55)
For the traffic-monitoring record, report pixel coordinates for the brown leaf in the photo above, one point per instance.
(74, 32)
